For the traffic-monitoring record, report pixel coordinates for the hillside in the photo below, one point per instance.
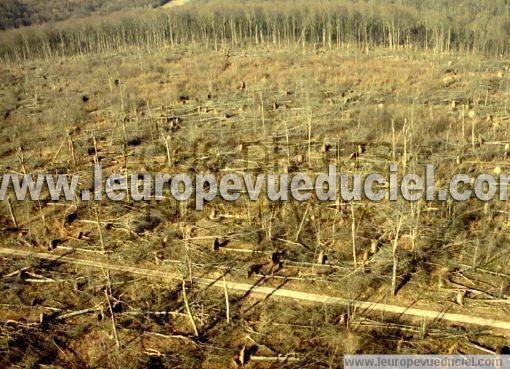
(16, 13)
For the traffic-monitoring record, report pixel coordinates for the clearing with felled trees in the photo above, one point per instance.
(252, 87)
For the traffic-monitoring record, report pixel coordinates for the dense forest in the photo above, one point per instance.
(466, 25)
(16, 13)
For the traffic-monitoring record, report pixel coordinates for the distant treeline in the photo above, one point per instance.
(16, 13)
(467, 25)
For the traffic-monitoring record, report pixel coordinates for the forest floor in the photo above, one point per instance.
(122, 283)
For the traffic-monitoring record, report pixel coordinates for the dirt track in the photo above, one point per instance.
(265, 292)
(175, 3)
